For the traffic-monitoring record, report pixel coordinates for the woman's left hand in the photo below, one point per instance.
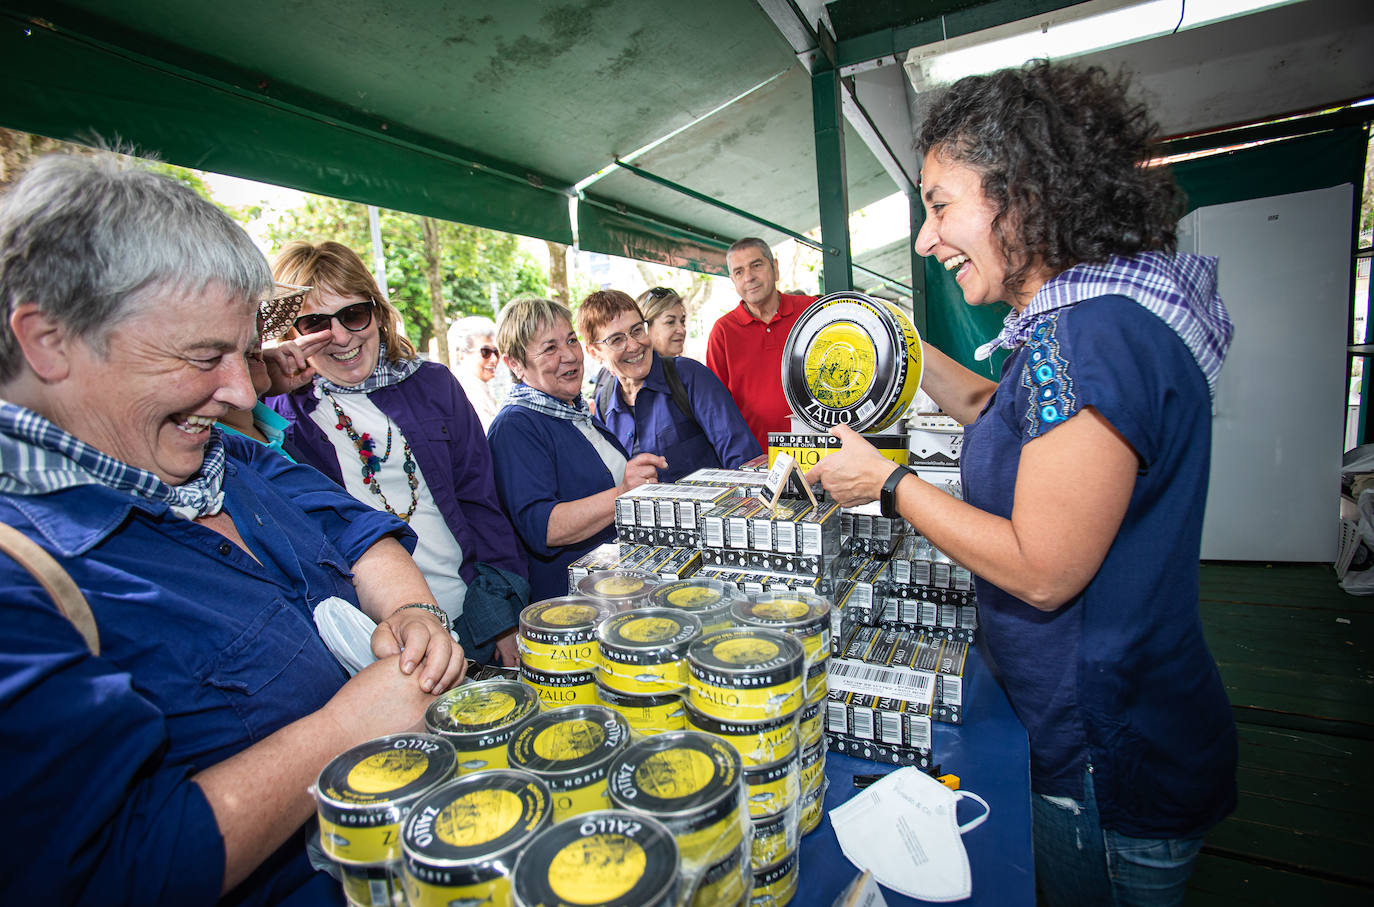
(422, 642)
(855, 473)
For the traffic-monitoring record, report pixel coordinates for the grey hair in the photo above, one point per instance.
(750, 242)
(522, 319)
(464, 331)
(90, 240)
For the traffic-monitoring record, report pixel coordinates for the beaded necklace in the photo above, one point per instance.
(372, 464)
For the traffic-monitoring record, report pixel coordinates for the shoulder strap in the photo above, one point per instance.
(58, 584)
(605, 386)
(678, 390)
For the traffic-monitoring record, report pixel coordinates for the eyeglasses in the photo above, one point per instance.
(616, 342)
(489, 352)
(354, 318)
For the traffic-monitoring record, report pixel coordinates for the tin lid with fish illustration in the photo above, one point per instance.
(700, 595)
(684, 774)
(470, 829)
(851, 359)
(365, 783)
(563, 620)
(607, 858)
(569, 747)
(480, 715)
(747, 657)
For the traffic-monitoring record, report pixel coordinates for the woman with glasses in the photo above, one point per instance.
(558, 472)
(400, 434)
(666, 316)
(474, 357)
(667, 405)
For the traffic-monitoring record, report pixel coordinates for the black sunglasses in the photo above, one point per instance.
(661, 293)
(354, 318)
(489, 352)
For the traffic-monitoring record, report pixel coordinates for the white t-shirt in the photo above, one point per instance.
(437, 552)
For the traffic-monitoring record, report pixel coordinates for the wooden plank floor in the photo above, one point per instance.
(1297, 656)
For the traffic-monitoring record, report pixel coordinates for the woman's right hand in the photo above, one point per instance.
(287, 364)
(641, 469)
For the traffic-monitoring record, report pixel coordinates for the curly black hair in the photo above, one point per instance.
(1062, 152)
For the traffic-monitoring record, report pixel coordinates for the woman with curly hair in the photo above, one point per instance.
(1084, 468)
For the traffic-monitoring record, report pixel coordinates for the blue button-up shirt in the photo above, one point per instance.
(205, 650)
(717, 437)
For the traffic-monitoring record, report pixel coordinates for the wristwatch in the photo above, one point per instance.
(432, 609)
(887, 499)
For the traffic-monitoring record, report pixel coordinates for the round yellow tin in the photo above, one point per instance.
(773, 787)
(799, 614)
(480, 718)
(608, 858)
(364, 793)
(775, 837)
(776, 884)
(646, 715)
(642, 652)
(556, 690)
(622, 589)
(571, 750)
(558, 635)
(462, 838)
(690, 782)
(757, 742)
(708, 599)
(745, 674)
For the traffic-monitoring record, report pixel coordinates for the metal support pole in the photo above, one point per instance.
(918, 264)
(831, 180)
(378, 255)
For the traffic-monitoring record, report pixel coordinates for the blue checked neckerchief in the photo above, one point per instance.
(37, 457)
(384, 375)
(1180, 289)
(540, 402)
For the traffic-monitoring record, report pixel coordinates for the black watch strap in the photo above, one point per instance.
(887, 500)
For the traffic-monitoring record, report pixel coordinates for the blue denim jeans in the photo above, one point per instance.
(1077, 862)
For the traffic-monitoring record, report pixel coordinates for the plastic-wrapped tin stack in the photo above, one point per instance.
(622, 589)
(557, 642)
(693, 784)
(808, 617)
(479, 719)
(608, 858)
(461, 840)
(747, 686)
(364, 794)
(571, 750)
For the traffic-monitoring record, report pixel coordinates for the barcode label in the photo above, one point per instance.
(863, 723)
(951, 689)
(625, 511)
(785, 537)
(918, 731)
(876, 680)
(714, 532)
(667, 514)
(810, 539)
(763, 535)
(890, 727)
(836, 717)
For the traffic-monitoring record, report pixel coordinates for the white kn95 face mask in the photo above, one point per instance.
(903, 829)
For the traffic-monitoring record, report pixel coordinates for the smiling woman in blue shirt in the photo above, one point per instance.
(1085, 468)
(172, 767)
(697, 427)
(558, 472)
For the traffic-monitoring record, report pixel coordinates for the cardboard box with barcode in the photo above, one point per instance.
(897, 664)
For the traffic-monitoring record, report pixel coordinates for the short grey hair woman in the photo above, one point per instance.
(191, 726)
(474, 357)
(557, 471)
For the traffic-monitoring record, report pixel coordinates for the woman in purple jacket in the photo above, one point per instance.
(399, 434)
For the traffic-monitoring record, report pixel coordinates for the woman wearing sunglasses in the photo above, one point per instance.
(400, 434)
(473, 352)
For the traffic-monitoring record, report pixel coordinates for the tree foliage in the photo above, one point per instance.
(473, 263)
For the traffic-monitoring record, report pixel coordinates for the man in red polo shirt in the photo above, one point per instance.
(745, 348)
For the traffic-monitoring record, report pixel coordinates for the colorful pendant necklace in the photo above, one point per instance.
(372, 464)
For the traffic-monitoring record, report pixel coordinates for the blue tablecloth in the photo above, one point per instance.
(989, 754)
